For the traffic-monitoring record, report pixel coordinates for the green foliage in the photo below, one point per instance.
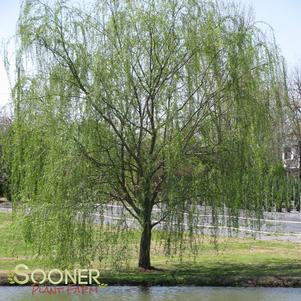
(156, 104)
(4, 164)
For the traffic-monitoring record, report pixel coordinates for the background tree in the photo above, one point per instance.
(294, 112)
(150, 104)
(5, 122)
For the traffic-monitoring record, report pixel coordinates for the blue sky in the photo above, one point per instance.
(283, 15)
(285, 18)
(9, 10)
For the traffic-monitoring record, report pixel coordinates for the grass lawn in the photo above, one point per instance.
(236, 259)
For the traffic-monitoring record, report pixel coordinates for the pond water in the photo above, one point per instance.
(126, 293)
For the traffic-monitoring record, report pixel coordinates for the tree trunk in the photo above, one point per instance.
(145, 244)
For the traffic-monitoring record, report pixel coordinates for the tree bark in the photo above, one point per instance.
(145, 244)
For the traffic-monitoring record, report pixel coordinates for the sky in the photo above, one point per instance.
(284, 16)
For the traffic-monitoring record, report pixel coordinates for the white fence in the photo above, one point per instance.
(273, 225)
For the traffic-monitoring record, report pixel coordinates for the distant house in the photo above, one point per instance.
(291, 157)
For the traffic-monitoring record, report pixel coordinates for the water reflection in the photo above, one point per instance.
(159, 294)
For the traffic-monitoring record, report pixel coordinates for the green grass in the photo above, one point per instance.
(13, 249)
(233, 259)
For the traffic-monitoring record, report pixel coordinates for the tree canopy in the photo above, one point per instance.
(159, 106)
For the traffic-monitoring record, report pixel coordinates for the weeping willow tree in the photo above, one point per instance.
(159, 106)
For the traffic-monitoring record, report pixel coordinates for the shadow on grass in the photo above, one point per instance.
(218, 274)
(273, 269)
